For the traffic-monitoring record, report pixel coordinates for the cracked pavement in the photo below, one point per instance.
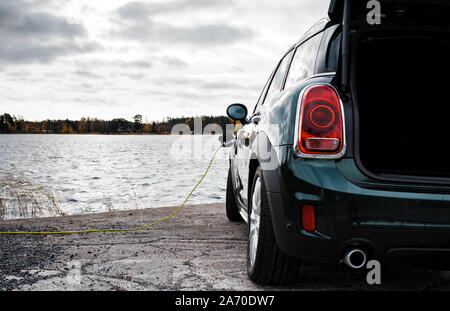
(198, 249)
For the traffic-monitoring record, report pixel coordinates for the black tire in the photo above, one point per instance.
(271, 266)
(230, 201)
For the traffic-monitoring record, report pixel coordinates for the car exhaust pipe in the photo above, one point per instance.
(355, 258)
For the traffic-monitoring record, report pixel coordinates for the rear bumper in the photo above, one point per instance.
(394, 227)
(389, 245)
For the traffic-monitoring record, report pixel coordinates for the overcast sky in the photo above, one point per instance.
(159, 58)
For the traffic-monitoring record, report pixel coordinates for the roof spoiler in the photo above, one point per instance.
(335, 10)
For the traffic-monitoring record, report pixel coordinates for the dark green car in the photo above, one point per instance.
(344, 158)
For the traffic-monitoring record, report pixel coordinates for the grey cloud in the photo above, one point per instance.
(42, 25)
(18, 74)
(88, 101)
(141, 10)
(223, 85)
(203, 35)
(32, 35)
(201, 84)
(87, 88)
(173, 61)
(215, 34)
(134, 10)
(134, 76)
(138, 64)
(86, 74)
(137, 23)
(188, 94)
(99, 63)
(25, 52)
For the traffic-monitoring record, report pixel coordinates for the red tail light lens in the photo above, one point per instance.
(321, 129)
(309, 217)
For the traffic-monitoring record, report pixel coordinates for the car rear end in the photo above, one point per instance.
(381, 183)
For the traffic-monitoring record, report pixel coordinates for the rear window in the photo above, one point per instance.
(278, 78)
(304, 61)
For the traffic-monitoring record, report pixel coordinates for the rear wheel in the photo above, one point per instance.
(266, 263)
(232, 208)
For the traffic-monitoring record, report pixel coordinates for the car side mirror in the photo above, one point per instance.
(237, 112)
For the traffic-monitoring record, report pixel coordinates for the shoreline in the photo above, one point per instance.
(114, 213)
(113, 134)
(106, 134)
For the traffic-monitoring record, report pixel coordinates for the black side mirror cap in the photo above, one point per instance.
(237, 112)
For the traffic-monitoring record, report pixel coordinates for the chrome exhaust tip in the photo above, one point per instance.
(355, 258)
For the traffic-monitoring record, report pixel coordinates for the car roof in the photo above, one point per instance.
(316, 28)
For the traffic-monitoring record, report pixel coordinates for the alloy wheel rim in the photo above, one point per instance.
(255, 219)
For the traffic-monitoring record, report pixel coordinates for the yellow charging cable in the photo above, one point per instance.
(130, 229)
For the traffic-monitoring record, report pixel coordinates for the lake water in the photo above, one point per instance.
(92, 173)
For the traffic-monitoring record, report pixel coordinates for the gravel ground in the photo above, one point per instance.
(197, 250)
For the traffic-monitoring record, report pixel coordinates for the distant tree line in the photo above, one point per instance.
(11, 125)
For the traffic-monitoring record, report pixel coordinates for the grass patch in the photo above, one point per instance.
(23, 198)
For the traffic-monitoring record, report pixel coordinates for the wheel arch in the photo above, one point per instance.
(284, 228)
(267, 160)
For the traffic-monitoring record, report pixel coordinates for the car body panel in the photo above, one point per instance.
(389, 218)
(347, 213)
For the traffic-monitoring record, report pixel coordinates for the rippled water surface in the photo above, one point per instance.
(92, 173)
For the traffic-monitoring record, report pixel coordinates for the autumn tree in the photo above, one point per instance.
(138, 123)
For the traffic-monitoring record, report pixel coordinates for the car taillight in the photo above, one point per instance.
(321, 128)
